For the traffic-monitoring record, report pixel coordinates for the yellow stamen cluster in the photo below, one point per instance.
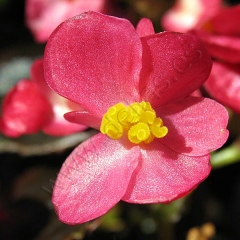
(138, 120)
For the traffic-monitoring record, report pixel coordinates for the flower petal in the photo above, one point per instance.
(93, 179)
(37, 76)
(145, 27)
(223, 85)
(61, 127)
(164, 175)
(94, 60)
(83, 118)
(174, 65)
(223, 47)
(223, 22)
(196, 126)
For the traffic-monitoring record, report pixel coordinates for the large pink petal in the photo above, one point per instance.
(93, 179)
(196, 126)
(164, 175)
(174, 65)
(223, 84)
(84, 118)
(94, 60)
(223, 47)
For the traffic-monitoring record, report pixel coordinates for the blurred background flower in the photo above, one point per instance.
(43, 16)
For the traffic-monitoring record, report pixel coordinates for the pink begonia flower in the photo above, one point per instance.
(186, 15)
(43, 16)
(155, 141)
(24, 111)
(31, 106)
(221, 37)
(223, 84)
(220, 33)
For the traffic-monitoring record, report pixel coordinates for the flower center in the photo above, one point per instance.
(137, 120)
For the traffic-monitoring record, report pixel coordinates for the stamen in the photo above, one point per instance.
(138, 133)
(138, 121)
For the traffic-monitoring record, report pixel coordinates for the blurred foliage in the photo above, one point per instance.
(40, 144)
(8, 77)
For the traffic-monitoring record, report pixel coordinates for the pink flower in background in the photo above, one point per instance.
(186, 15)
(223, 84)
(220, 34)
(43, 16)
(31, 106)
(220, 31)
(155, 141)
(25, 110)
